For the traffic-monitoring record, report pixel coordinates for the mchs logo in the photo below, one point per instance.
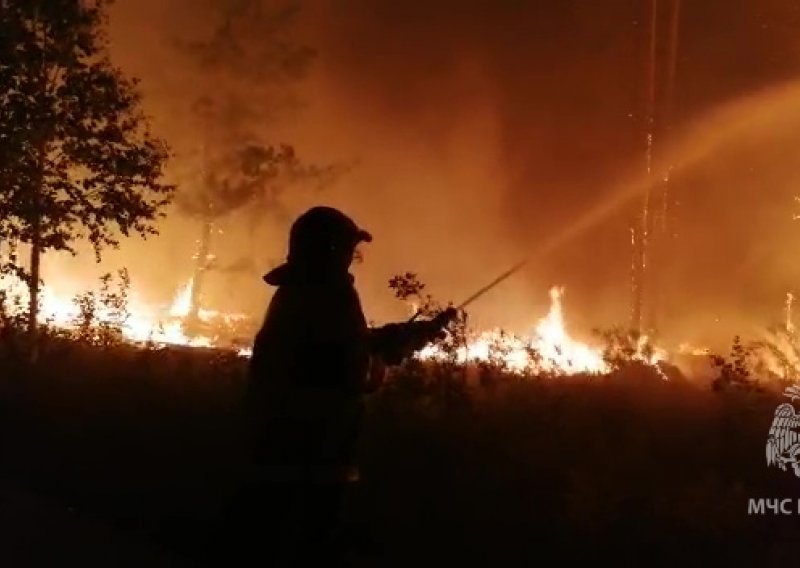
(783, 449)
(783, 443)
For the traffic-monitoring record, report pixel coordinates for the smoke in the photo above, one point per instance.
(478, 131)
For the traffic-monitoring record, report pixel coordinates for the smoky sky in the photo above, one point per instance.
(477, 129)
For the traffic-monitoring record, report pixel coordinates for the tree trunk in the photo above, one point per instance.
(36, 221)
(36, 247)
(201, 266)
(33, 283)
(33, 286)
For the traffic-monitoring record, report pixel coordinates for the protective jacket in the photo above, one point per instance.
(309, 369)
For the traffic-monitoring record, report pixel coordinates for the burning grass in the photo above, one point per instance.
(113, 312)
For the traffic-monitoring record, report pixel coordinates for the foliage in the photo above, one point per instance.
(99, 322)
(248, 64)
(12, 322)
(242, 76)
(246, 70)
(248, 175)
(624, 347)
(409, 288)
(497, 367)
(447, 375)
(102, 315)
(736, 372)
(77, 159)
(778, 355)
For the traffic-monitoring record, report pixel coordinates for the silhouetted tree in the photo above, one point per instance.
(76, 157)
(246, 69)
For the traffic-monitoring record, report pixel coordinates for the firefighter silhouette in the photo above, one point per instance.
(304, 398)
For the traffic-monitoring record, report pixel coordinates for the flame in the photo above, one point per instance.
(558, 349)
(689, 349)
(549, 348)
(143, 322)
(182, 304)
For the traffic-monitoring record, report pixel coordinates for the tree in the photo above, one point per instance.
(77, 159)
(246, 70)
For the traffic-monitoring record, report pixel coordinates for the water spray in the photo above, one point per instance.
(484, 289)
(732, 120)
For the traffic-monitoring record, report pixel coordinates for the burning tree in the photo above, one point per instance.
(245, 70)
(77, 159)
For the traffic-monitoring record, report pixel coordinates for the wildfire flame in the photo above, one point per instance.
(549, 348)
(143, 322)
(182, 304)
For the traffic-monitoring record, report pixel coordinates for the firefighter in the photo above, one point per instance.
(307, 378)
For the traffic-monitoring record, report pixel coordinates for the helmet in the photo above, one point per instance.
(321, 230)
(320, 238)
